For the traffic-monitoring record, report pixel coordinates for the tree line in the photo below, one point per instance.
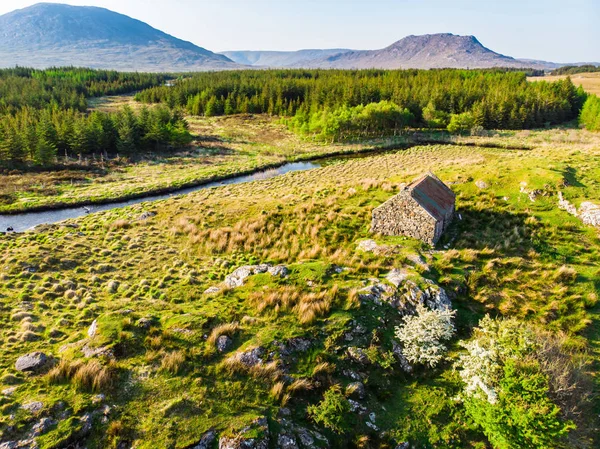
(573, 69)
(43, 114)
(494, 98)
(66, 88)
(37, 137)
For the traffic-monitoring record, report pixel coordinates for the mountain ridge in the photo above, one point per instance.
(56, 34)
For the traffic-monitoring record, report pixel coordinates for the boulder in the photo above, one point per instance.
(397, 277)
(481, 184)
(252, 357)
(239, 275)
(287, 441)
(35, 361)
(211, 290)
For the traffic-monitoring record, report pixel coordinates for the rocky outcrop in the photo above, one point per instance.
(240, 274)
(223, 343)
(404, 294)
(588, 213)
(207, 440)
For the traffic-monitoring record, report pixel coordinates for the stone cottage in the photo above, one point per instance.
(422, 210)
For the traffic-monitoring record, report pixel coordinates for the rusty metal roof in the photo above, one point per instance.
(433, 195)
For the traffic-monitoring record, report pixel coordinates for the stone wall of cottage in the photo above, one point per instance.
(402, 215)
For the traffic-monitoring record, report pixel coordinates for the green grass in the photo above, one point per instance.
(504, 257)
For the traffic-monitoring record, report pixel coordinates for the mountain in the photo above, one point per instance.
(280, 58)
(422, 52)
(49, 34)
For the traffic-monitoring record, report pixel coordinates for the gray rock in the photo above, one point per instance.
(397, 277)
(42, 426)
(252, 357)
(356, 390)
(278, 270)
(146, 215)
(377, 292)
(101, 351)
(223, 343)
(239, 275)
(368, 246)
(404, 364)
(306, 438)
(357, 407)
(34, 361)
(589, 213)
(404, 445)
(145, 323)
(211, 290)
(87, 422)
(207, 440)
(93, 329)
(481, 184)
(287, 441)
(33, 407)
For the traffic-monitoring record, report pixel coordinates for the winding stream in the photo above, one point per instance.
(28, 220)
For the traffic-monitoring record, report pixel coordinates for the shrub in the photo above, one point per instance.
(333, 411)
(508, 386)
(423, 335)
(461, 123)
(523, 415)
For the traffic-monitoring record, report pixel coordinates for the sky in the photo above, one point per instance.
(551, 30)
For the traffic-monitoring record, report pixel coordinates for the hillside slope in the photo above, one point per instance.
(49, 34)
(281, 58)
(423, 52)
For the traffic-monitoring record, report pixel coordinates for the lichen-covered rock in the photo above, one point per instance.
(33, 362)
(287, 441)
(33, 407)
(240, 274)
(481, 184)
(211, 290)
(397, 277)
(42, 426)
(368, 246)
(589, 213)
(378, 292)
(251, 357)
(566, 205)
(223, 343)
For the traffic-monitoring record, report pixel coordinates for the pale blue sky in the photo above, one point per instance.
(554, 30)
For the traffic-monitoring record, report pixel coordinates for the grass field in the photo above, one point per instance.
(589, 81)
(144, 281)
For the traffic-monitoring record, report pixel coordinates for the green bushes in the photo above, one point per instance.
(364, 121)
(333, 411)
(461, 123)
(590, 113)
(507, 391)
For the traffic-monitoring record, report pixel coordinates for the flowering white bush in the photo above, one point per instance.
(423, 334)
(494, 341)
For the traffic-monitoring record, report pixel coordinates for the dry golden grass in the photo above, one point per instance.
(91, 375)
(589, 81)
(228, 329)
(172, 362)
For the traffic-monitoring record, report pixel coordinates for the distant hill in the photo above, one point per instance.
(424, 52)
(280, 58)
(49, 34)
